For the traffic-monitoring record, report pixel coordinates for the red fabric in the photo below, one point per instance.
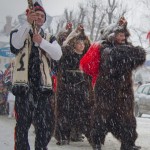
(7, 71)
(54, 78)
(90, 62)
(27, 11)
(39, 8)
(148, 36)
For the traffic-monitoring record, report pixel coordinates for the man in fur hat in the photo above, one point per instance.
(32, 86)
(114, 100)
(73, 89)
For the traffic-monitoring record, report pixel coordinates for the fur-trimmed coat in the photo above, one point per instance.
(73, 106)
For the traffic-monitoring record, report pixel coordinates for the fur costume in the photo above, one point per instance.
(73, 108)
(62, 35)
(113, 110)
(114, 97)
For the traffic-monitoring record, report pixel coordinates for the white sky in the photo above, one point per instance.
(56, 7)
(52, 7)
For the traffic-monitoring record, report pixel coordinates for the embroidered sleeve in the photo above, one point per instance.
(52, 48)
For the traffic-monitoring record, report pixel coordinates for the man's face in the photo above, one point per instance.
(120, 38)
(40, 18)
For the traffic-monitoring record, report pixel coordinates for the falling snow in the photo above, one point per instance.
(7, 133)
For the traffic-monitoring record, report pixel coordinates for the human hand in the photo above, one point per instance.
(80, 27)
(37, 38)
(122, 21)
(68, 25)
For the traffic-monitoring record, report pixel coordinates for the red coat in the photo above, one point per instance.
(90, 62)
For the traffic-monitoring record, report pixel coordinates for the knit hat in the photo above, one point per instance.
(38, 7)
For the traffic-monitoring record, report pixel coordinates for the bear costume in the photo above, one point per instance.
(113, 110)
(73, 106)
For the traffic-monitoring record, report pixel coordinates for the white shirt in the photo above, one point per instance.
(18, 38)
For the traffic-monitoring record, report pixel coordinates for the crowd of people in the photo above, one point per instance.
(7, 99)
(91, 93)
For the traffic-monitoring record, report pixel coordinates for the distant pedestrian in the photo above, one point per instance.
(11, 102)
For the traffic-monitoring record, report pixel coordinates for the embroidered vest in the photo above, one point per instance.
(20, 75)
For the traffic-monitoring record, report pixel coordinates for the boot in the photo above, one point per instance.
(129, 147)
(63, 142)
(97, 147)
(41, 148)
(77, 138)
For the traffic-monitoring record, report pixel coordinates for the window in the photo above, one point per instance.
(140, 89)
(146, 90)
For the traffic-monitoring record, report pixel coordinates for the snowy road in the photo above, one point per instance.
(7, 128)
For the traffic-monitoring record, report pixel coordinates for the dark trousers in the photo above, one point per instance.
(73, 111)
(33, 108)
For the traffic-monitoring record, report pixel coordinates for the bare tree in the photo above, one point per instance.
(110, 10)
(115, 9)
(100, 24)
(82, 14)
(94, 18)
(94, 15)
(142, 31)
(146, 3)
(102, 12)
(139, 33)
(76, 18)
(68, 15)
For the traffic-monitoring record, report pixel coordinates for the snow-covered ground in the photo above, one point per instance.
(7, 129)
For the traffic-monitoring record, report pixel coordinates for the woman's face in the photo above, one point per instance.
(79, 46)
